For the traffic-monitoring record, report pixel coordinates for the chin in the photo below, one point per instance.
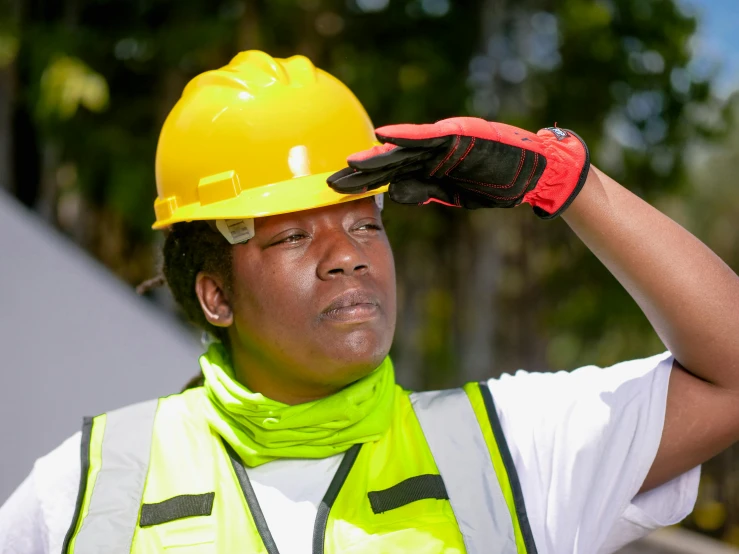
(356, 356)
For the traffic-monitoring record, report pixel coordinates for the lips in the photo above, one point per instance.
(353, 306)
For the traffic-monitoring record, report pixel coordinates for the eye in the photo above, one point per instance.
(291, 239)
(368, 227)
(288, 237)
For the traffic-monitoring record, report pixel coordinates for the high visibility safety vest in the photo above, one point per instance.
(157, 478)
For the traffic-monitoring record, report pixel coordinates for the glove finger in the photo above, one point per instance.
(351, 181)
(340, 176)
(471, 201)
(415, 191)
(409, 135)
(394, 157)
(435, 142)
(428, 135)
(409, 142)
(433, 134)
(370, 152)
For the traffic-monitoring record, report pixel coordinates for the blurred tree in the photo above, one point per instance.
(617, 73)
(479, 292)
(9, 44)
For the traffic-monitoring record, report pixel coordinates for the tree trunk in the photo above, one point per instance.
(8, 85)
(407, 352)
(479, 262)
(7, 97)
(479, 267)
(48, 188)
(248, 35)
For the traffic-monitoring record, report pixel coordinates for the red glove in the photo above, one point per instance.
(471, 163)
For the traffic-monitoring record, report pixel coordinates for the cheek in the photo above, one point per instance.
(271, 292)
(385, 272)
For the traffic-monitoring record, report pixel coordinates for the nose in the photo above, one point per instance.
(342, 256)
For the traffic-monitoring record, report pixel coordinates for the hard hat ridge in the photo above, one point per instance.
(257, 137)
(251, 61)
(295, 70)
(254, 70)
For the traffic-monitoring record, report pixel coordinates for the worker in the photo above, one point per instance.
(298, 440)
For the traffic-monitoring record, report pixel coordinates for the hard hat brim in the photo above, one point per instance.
(294, 195)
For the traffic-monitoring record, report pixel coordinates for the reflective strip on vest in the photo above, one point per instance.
(450, 421)
(118, 491)
(462, 457)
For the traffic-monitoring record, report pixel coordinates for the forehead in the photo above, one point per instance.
(364, 207)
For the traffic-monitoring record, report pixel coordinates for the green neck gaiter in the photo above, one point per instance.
(261, 430)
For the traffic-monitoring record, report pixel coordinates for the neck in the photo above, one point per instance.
(261, 429)
(273, 380)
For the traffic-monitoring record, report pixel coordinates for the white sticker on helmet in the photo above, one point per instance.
(236, 231)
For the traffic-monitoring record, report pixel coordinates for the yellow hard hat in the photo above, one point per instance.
(257, 137)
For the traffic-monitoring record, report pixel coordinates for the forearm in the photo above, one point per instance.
(688, 294)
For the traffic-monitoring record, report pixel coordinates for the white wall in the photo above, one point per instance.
(74, 341)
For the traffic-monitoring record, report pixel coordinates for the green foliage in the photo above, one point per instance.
(97, 77)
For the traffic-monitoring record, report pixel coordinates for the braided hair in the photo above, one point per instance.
(190, 248)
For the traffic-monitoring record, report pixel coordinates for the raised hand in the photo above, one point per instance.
(471, 163)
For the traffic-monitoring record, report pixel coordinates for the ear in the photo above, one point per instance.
(213, 300)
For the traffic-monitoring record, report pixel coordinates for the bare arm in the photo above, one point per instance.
(690, 297)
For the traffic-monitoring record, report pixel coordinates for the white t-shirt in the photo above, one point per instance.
(582, 443)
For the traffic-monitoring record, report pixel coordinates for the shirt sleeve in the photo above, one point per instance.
(22, 529)
(582, 443)
(36, 517)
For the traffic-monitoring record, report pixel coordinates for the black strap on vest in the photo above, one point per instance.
(251, 501)
(85, 470)
(319, 528)
(178, 507)
(415, 488)
(505, 454)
